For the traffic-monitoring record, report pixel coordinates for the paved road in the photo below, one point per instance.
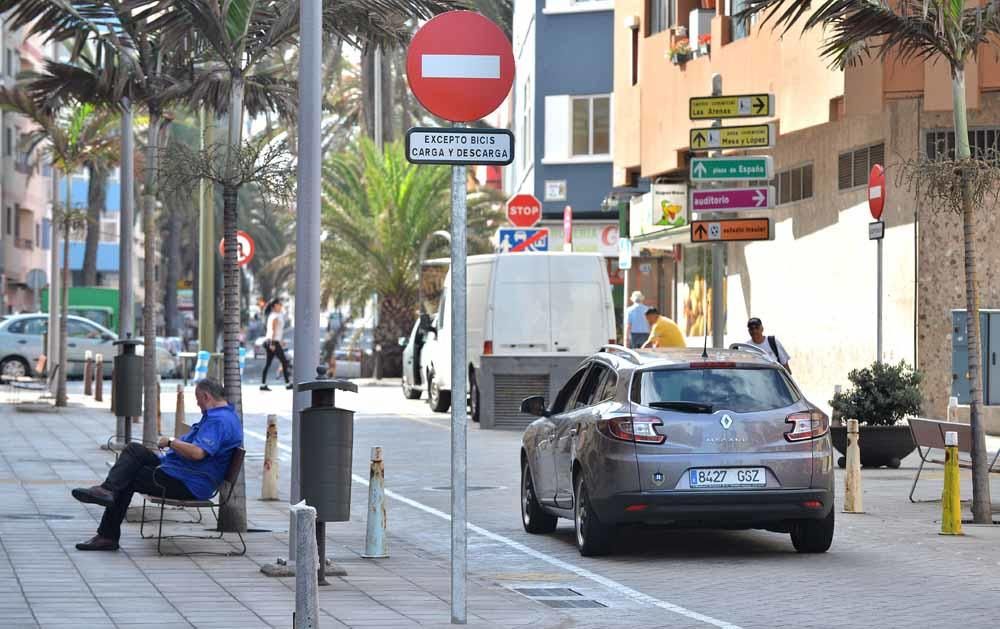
(887, 568)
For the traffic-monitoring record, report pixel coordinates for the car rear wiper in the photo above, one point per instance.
(691, 407)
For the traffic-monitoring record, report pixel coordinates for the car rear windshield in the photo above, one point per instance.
(746, 390)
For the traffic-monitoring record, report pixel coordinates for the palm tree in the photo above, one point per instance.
(915, 30)
(377, 210)
(72, 138)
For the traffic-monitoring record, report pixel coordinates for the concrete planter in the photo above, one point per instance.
(880, 445)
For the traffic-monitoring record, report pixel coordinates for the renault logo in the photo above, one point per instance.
(726, 422)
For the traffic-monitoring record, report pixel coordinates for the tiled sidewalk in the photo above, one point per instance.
(44, 581)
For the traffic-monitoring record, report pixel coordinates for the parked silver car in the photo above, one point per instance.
(723, 439)
(21, 343)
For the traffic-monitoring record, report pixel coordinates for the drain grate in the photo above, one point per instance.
(34, 516)
(569, 603)
(546, 592)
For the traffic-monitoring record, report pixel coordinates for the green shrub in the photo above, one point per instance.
(880, 395)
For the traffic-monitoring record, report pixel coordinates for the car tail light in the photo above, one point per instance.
(639, 429)
(807, 425)
(712, 365)
(487, 348)
(812, 504)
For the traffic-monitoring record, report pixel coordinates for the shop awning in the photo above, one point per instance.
(663, 239)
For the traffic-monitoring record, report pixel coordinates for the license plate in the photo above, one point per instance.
(727, 477)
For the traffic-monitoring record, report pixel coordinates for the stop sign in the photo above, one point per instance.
(876, 191)
(524, 210)
(460, 66)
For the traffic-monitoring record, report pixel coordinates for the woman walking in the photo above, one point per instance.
(273, 344)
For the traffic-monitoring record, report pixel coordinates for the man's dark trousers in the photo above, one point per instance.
(133, 472)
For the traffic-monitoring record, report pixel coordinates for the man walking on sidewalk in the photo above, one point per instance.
(636, 326)
(192, 468)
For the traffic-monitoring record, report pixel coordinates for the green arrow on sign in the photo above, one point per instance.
(756, 168)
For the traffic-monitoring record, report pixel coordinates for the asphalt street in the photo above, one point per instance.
(887, 568)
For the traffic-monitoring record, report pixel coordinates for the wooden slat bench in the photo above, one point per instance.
(928, 435)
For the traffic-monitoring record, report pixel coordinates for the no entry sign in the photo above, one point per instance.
(876, 191)
(524, 210)
(460, 66)
(244, 248)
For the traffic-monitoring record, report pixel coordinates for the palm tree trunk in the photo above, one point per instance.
(981, 501)
(173, 272)
(233, 517)
(149, 375)
(97, 196)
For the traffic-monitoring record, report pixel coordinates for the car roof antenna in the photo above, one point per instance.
(707, 316)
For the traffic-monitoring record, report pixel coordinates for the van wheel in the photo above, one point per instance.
(813, 536)
(438, 400)
(14, 367)
(409, 392)
(474, 396)
(592, 537)
(533, 517)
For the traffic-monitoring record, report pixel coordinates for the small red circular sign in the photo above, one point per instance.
(876, 191)
(460, 66)
(524, 210)
(244, 248)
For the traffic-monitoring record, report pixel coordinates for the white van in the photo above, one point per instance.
(523, 303)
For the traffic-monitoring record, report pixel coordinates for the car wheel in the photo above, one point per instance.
(474, 397)
(592, 537)
(813, 536)
(438, 400)
(409, 392)
(535, 520)
(14, 367)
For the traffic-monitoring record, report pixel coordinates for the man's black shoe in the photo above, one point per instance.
(264, 387)
(98, 543)
(95, 495)
(289, 386)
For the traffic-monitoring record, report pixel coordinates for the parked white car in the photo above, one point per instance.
(523, 303)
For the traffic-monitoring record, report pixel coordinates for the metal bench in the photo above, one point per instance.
(232, 474)
(928, 435)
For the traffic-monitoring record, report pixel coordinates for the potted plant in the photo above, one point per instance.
(705, 44)
(680, 51)
(880, 396)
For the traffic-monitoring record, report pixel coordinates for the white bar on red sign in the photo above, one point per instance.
(460, 66)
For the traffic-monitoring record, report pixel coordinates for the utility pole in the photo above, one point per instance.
(718, 255)
(206, 248)
(126, 239)
(307, 227)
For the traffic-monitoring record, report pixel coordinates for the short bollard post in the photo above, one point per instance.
(376, 545)
(99, 378)
(269, 484)
(180, 426)
(951, 496)
(306, 567)
(852, 481)
(88, 373)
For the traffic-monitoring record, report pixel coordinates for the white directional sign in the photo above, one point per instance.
(459, 146)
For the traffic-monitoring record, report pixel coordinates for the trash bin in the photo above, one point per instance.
(327, 449)
(128, 379)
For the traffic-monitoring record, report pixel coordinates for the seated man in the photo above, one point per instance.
(192, 469)
(663, 332)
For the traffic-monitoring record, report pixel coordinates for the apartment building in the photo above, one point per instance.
(814, 285)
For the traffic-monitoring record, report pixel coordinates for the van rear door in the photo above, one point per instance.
(579, 294)
(521, 309)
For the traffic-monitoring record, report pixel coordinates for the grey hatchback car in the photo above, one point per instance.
(720, 439)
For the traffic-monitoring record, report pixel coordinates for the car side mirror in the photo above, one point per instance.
(403, 341)
(107, 337)
(535, 406)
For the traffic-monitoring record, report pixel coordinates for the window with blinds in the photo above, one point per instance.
(794, 184)
(984, 144)
(854, 166)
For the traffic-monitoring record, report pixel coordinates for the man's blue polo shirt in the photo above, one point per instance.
(218, 433)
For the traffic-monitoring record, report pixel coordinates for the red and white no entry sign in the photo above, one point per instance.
(523, 210)
(876, 191)
(460, 66)
(244, 248)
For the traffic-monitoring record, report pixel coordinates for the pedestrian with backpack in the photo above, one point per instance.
(768, 344)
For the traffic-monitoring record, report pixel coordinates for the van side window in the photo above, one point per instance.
(567, 392)
(439, 320)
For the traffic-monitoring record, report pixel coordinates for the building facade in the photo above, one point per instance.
(814, 284)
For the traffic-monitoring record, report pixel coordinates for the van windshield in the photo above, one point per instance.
(746, 390)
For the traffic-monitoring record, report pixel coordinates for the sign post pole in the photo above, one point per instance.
(459, 542)
(878, 309)
(718, 254)
(876, 231)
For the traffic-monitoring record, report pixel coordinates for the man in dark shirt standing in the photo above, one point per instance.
(192, 468)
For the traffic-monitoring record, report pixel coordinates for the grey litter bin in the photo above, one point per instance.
(127, 384)
(327, 438)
